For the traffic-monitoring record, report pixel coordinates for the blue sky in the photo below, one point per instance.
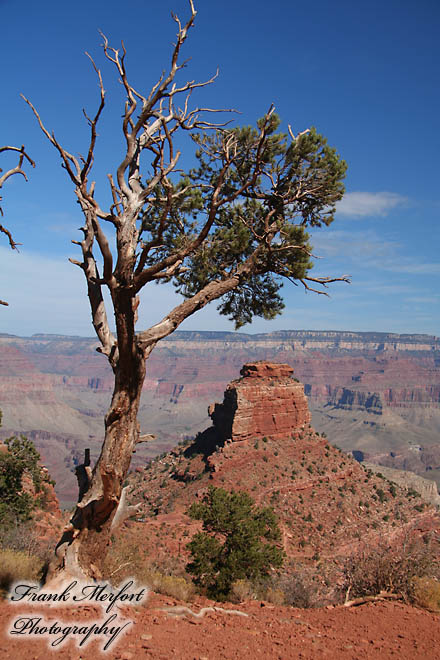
(365, 73)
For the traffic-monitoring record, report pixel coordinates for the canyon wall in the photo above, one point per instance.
(373, 392)
(261, 441)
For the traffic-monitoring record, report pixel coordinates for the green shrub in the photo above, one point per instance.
(24, 451)
(235, 544)
(15, 505)
(20, 457)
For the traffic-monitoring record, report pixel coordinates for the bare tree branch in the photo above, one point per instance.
(18, 169)
(92, 123)
(383, 595)
(212, 291)
(229, 154)
(12, 243)
(70, 163)
(165, 327)
(323, 281)
(90, 269)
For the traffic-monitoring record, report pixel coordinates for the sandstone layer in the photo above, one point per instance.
(264, 402)
(261, 442)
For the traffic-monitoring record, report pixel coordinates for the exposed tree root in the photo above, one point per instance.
(181, 610)
(382, 595)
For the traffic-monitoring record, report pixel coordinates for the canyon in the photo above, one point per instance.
(376, 395)
(261, 441)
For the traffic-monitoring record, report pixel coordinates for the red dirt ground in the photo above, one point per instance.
(379, 630)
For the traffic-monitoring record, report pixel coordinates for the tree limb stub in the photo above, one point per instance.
(123, 511)
(83, 475)
(148, 437)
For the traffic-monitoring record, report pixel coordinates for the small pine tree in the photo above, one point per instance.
(25, 452)
(20, 456)
(235, 543)
(15, 506)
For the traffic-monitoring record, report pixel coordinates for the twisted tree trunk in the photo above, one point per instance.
(101, 506)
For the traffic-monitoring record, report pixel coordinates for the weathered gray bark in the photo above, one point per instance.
(83, 545)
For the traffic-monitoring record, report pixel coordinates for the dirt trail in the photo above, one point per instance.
(379, 630)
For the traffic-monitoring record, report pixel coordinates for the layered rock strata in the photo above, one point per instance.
(265, 402)
(261, 442)
(409, 481)
(374, 392)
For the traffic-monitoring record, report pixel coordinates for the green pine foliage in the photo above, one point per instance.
(236, 541)
(21, 455)
(25, 454)
(15, 506)
(269, 188)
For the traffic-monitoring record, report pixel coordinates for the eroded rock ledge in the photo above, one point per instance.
(265, 402)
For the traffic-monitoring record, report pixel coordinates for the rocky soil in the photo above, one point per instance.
(378, 631)
(328, 505)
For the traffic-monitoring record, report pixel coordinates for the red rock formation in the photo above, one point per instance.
(45, 498)
(56, 390)
(262, 443)
(266, 401)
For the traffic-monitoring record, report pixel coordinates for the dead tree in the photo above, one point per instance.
(231, 228)
(18, 169)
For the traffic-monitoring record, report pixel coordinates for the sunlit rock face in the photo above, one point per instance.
(265, 402)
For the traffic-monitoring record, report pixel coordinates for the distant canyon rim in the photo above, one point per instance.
(374, 394)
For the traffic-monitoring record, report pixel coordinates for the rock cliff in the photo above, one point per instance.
(264, 402)
(261, 441)
(374, 392)
(409, 481)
